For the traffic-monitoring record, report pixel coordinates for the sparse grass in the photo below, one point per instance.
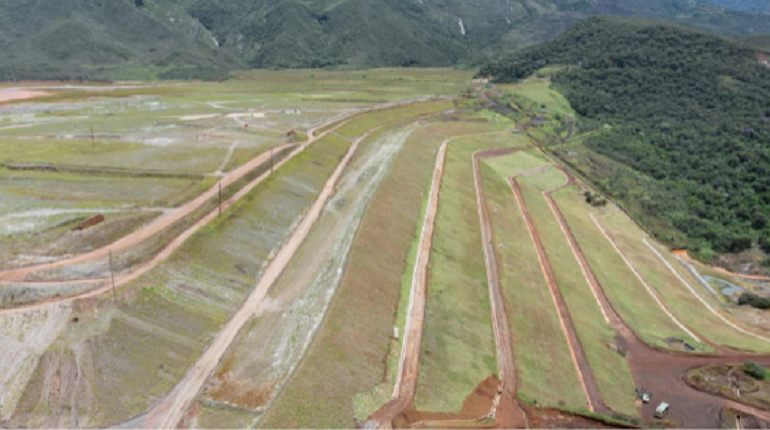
(541, 93)
(543, 362)
(609, 368)
(223, 417)
(519, 162)
(347, 356)
(361, 125)
(683, 303)
(628, 296)
(180, 159)
(190, 295)
(458, 348)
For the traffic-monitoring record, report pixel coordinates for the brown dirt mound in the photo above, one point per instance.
(546, 418)
(511, 413)
(476, 405)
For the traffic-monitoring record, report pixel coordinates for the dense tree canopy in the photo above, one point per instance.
(688, 109)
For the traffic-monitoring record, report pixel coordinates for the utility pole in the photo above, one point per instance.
(93, 139)
(112, 276)
(220, 198)
(272, 163)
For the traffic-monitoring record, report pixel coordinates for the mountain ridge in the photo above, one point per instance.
(165, 39)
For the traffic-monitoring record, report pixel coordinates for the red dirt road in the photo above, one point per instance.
(406, 379)
(584, 371)
(406, 382)
(164, 221)
(658, 371)
(503, 338)
(169, 412)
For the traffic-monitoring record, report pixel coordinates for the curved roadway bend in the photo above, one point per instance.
(585, 373)
(661, 372)
(406, 379)
(17, 275)
(169, 412)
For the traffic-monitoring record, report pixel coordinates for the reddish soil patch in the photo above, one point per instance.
(19, 94)
(475, 407)
(547, 418)
(236, 393)
(511, 413)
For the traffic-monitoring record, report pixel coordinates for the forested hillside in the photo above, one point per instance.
(760, 42)
(688, 117)
(105, 39)
(140, 39)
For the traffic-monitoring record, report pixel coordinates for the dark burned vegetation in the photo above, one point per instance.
(686, 147)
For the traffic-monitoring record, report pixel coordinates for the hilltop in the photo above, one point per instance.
(684, 126)
(150, 39)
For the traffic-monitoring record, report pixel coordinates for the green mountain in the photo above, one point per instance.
(48, 39)
(121, 39)
(686, 148)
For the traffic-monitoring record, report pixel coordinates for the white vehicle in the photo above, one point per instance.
(662, 410)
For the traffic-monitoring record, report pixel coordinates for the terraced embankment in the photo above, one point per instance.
(170, 411)
(269, 350)
(656, 370)
(585, 373)
(458, 348)
(167, 317)
(345, 361)
(545, 371)
(677, 291)
(165, 221)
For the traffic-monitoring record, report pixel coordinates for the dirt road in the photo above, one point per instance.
(123, 279)
(584, 371)
(170, 411)
(161, 223)
(169, 218)
(406, 379)
(661, 371)
(503, 338)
